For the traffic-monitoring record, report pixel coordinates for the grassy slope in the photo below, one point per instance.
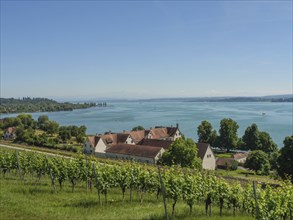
(224, 155)
(41, 149)
(246, 176)
(25, 200)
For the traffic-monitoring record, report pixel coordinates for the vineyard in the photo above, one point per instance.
(131, 179)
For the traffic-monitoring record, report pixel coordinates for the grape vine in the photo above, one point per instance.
(192, 187)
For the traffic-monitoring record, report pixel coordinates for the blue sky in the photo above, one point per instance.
(128, 49)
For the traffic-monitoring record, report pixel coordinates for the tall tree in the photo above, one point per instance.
(259, 161)
(266, 143)
(206, 133)
(228, 138)
(251, 138)
(74, 130)
(42, 121)
(182, 152)
(64, 133)
(82, 130)
(52, 127)
(80, 138)
(27, 121)
(10, 122)
(286, 158)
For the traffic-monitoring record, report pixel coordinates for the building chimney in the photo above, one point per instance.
(177, 125)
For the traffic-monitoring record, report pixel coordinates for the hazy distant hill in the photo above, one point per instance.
(276, 98)
(11, 105)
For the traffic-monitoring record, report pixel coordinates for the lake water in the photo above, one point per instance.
(119, 116)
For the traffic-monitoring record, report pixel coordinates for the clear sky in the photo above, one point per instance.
(145, 49)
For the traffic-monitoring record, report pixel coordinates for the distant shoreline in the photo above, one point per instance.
(284, 98)
(30, 105)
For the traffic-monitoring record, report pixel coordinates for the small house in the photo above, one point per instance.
(240, 157)
(98, 144)
(207, 156)
(9, 133)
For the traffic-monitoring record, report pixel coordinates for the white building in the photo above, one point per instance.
(206, 154)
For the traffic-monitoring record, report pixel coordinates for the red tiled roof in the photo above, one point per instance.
(112, 138)
(137, 136)
(158, 133)
(156, 143)
(109, 138)
(134, 150)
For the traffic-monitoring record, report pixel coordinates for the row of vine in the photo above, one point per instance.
(188, 185)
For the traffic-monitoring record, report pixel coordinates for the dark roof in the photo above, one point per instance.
(202, 149)
(224, 161)
(156, 143)
(122, 137)
(172, 131)
(134, 150)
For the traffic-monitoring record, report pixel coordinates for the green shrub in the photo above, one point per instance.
(234, 165)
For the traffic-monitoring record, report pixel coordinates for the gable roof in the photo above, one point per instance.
(156, 143)
(159, 132)
(134, 150)
(109, 138)
(172, 131)
(202, 149)
(122, 137)
(137, 136)
(93, 140)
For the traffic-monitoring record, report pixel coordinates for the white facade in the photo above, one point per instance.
(129, 140)
(100, 147)
(209, 160)
(177, 135)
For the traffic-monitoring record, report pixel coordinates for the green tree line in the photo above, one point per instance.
(44, 132)
(11, 105)
(264, 153)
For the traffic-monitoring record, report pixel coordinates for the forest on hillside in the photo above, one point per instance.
(27, 104)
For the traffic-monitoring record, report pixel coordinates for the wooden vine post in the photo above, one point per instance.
(163, 194)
